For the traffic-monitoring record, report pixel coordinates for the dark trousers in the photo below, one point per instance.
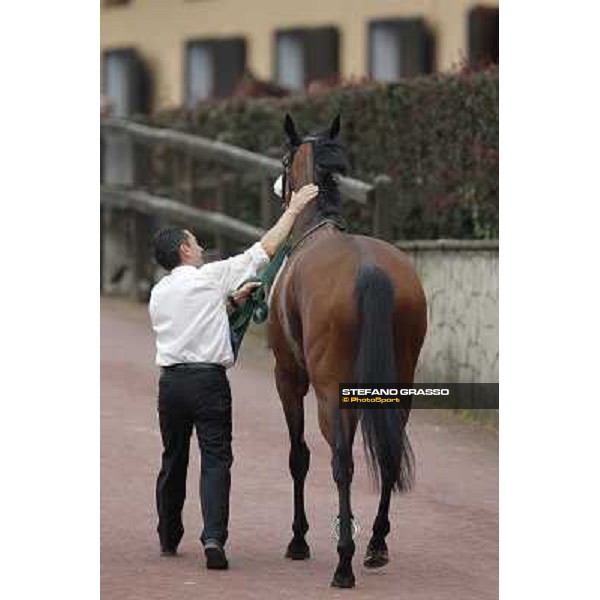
(190, 398)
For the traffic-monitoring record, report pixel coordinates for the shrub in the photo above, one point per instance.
(436, 136)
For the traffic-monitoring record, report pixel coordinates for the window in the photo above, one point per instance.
(484, 29)
(213, 68)
(306, 55)
(399, 48)
(127, 82)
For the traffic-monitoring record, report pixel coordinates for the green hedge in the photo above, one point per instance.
(436, 136)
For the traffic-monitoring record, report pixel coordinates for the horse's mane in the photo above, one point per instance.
(330, 159)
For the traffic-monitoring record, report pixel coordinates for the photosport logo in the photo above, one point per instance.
(424, 395)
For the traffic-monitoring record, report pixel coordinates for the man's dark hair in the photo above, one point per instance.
(166, 244)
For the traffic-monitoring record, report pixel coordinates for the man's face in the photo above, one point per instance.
(191, 252)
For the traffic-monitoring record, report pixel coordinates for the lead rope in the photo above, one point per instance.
(255, 307)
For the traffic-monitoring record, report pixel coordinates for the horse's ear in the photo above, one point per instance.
(334, 130)
(290, 130)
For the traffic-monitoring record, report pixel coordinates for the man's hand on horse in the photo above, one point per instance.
(302, 197)
(240, 296)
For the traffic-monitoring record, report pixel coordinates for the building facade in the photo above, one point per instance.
(161, 53)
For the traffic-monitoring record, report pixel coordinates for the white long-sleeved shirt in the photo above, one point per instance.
(188, 308)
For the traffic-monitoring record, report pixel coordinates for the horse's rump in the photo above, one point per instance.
(316, 304)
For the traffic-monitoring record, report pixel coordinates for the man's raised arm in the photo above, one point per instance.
(277, 234)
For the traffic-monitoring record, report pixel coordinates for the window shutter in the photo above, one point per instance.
(321, 52)
(229, 66)
(141, 86)
(416, 48)
(484, 39)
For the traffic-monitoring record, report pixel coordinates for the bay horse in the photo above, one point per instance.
(345, 308)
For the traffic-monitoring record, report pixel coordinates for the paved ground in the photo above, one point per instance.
(444, 539)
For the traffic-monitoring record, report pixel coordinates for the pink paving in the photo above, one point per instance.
(444, 538)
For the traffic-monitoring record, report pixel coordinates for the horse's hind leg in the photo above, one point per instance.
(377, 552)
(292, 388)
(343, 471)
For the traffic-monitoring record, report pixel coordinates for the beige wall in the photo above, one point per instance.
(159, 29)
(460, 279)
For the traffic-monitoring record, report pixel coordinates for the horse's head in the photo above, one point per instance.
(314, 158)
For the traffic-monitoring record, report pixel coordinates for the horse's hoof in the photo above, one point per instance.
(343, 580)
(376, 558)
(298, 550)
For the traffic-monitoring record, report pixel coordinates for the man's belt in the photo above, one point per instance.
(193, 366)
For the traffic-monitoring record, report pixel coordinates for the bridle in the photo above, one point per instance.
(287, 161)
(286, 190)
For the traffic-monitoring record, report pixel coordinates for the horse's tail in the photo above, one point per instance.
(387, 447)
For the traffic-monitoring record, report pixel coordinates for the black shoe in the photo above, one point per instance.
(168, 551)
(215, 556)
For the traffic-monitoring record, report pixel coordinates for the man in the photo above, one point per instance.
(188, 313)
